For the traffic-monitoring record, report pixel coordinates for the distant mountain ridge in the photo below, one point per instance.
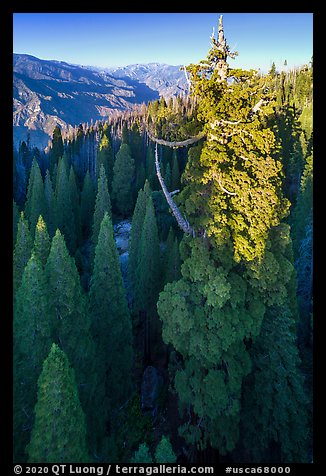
(51, 92)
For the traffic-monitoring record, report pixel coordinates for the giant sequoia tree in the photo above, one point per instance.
(238, 265)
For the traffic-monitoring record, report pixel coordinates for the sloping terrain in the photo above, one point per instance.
(46, 93)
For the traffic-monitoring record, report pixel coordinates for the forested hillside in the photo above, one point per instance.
(49, 93)
(163, 277)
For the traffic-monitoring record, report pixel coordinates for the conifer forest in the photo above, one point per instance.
(162, 271)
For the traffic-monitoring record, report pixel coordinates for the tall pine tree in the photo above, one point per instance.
(111, 328)
(105, 157)
(274, 414)
(67, 310)
(148, 270)
(35, 201)
(64, 206)
(32, 340)
(123, 177)
(59, 432)
(22, 250)
(102, 204)
(50, 214)
(42, 241)
(87, 204)
(135, 234)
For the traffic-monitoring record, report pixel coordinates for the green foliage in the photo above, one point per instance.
(64, 206)
(123, 175)
(236, 267)
(56, 148)
(175, 178)
(232, 297)
(135, 234)
(150, 169)
(87, 204)
(164, 452)
(172, 262)
(302, 234)
(174, 121)
(59, 432)
(148, 269)
(35, 204)
(15, 220)
(67, 311)
(164, 218)
(102, 204)
(50, 214)
(275, 405)
(31, 329)
(111, 324)
(135, 142)
(142, 455)
(74, 198)
(41, 242)
(22, 250)
(105, 158)
(206, 315)
(131, 428)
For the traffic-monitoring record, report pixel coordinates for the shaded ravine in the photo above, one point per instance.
(122, 231)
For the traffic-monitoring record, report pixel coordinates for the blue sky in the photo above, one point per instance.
(118, 39)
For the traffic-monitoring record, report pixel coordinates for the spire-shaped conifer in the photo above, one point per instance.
(59, 431)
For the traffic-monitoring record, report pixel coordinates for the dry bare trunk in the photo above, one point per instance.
(182, 222)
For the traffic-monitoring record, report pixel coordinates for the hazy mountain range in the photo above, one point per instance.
(49, 92)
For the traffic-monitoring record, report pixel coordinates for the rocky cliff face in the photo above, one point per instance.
(46, 93)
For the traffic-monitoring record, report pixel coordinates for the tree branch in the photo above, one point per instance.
(218, 178)
(183, 143)
(182, 222)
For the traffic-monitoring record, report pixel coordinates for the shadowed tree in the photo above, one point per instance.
(123, 177)
(15, 220)
(50, 214)
(142, 455)
(22, 250)
(164, 452)
(135, 234)
(32, 331)
(67, 310)
(111, 329)
(57, 148)
(87, 204)
(274, 421)
(64, 206)
(35, 202)
(102, 204)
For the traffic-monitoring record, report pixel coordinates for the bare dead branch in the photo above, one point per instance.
(183, 143)
(182, 221)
